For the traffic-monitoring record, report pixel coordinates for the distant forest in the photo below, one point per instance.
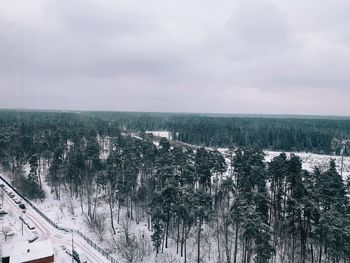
(293, 133)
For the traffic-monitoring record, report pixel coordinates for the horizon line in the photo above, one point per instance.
(209, 114)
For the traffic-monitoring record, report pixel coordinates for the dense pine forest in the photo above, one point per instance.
(207, 205)
(289, 133)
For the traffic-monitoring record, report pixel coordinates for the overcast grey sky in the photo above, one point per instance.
(226, 56)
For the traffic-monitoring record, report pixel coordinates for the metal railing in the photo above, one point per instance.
(88, 240)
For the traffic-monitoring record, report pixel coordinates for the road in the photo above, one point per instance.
(47, 231)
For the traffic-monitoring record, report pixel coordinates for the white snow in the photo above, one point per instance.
(311, 160)
(24, 251)
(164, 134)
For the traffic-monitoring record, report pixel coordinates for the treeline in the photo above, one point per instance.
(284, 134)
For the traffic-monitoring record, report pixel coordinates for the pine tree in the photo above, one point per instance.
(333, 219)
(250, 208)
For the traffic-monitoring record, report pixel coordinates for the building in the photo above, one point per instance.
(24, 252)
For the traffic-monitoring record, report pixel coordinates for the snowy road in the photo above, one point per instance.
(58, 238)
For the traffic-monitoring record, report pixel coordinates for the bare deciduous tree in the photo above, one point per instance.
(132, 247)
(5, 230)
(71, 205)
(97, 225)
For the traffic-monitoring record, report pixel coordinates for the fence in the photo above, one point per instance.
(89, 241)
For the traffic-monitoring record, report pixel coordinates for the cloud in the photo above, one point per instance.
(257, 27)
(233, 56)
(108, 18)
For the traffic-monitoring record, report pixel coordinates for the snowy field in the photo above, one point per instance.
(311, 160)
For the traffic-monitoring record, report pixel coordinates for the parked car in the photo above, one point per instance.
(17, 200)
(79, 256)
(30, 224)
(3, 212)
(33, 237)
(27, 222)
(10, 234)
(63, 247)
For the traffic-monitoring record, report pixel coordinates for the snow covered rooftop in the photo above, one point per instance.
(24, 251)
(164, 134)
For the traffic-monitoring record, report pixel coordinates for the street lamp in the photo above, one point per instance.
(23, 209)
(2, 197)
(72, 254)
(72, 246)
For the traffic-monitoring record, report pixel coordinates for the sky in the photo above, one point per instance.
(227, 56)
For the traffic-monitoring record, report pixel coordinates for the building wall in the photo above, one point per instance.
(49, 259)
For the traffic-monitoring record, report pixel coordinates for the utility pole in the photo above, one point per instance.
(2, 197)
(72, 247)
(23, 210)
(22, 220)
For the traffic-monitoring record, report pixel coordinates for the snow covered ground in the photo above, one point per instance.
(164, 134)
(311, 160)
